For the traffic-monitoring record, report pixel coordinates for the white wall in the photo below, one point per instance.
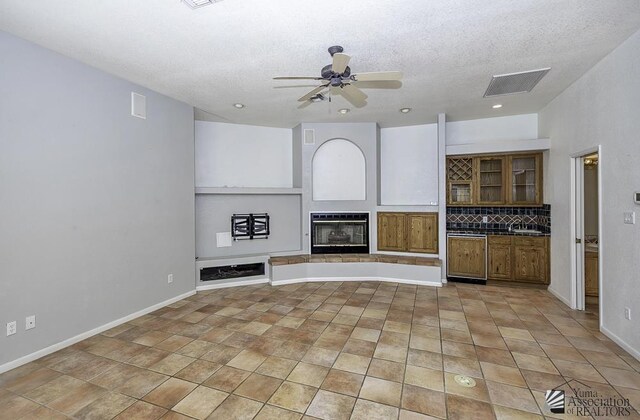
(409, 165)
(97, 206)
(489, 130)
(339, 172)
(235, 155)
(600, 108)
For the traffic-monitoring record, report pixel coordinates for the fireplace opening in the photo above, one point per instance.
(231, 271)
(339, 233)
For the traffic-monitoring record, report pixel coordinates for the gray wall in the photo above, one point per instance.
(591, 112)
(97, 207)
(213, 214)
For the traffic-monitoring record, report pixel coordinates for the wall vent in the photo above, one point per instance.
(138, 105)
(512, 83)
(309, 136)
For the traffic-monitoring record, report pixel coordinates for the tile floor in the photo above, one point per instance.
(361, 350)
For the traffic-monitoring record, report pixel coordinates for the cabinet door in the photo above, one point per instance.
(530, 256)
(499, 256)
(422, 232)
(466, 257)
(490, 188)
(591, 274)
(391, 232)
(525, 179)
(460, 180)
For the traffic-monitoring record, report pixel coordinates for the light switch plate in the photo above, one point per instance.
(630, 218)
(223, 239)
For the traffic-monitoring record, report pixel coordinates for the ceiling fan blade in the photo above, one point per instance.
(313, 93)
(297, 78)
(354, 95)
(340, 62)
(379, 84)
(304, 104)
(378, 76)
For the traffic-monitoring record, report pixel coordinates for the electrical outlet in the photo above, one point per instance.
(11, 328)
(30, 322)
(627, 314)
(485, 219)
(170, 278)
(630, 218)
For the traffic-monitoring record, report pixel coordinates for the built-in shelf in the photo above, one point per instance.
(250, 191)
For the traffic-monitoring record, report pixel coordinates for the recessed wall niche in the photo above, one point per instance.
(339, 172)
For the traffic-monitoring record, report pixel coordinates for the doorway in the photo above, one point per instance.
(586, 230)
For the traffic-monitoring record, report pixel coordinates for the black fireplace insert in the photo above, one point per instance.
(339, 233)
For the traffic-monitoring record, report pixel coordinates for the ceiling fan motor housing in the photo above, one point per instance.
(328, 73)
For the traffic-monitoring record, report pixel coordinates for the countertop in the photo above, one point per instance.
(493, 232)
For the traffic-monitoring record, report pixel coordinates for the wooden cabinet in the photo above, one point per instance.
(495, 180)
(466, 256)
(591, 273)
(490, 181)
(460, 180)
(518, 258)
(525, 179)
(500, 258)
(391, 231)
(408, 232)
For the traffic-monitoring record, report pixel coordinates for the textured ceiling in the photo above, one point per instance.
(228, 52)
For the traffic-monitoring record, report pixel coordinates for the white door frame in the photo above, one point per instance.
(577, 228)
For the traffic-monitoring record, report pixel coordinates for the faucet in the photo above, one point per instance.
(515, 219)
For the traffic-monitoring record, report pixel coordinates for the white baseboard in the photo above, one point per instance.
(347, 279)
(70, 341)
(559, 296)
(619, 341)
(233, 284)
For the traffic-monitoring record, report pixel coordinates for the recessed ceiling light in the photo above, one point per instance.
(405, 110)
(344, 110)
(239, 106)
(194, 4)
(497, 106)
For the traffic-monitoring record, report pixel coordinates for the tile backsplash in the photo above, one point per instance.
(499, 218)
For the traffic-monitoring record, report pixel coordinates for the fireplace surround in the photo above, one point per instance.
(340, 233)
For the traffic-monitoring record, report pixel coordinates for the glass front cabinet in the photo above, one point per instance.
(495, 180)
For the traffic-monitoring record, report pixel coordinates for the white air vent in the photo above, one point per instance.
(194, 4)
(509, 84)
(138, 105)
(309, 136)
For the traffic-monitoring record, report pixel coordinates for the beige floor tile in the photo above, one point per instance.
(172, 364)
(385, 369)
(270, 412)
(369, 410)
(343, 382)
(352, 363)
(424, 343)
(258, 387)
(621, 377)
(389, 352)
(200, 402)
(237, 408)
(424, 359)
(496, 356)
(247, 360)
(400, 327)
(381, 391)
(320, 356)
(424, 401)
(198, 371)
(489, 340)
(170, 392)
(503, 374)
(141, 384)
(14, 406)
(516, 333)
(478, 392)
(424, 377)
(512, 397)
(504, 413)
(462, 366)
(40, 414)
(308, 374)
(580, 371)
(277, 367)
(329, 405)
(226, 378)
(30, 381)
(292, 396)
(535, 363)
(71, 402)
(359, 347)
(108, 406)
(460, 408)
(141, 410)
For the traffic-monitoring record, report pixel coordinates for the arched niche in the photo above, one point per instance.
(339, 172)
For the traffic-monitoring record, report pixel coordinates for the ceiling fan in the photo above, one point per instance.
(337, 77)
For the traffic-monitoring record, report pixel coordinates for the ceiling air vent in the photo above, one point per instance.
(194, 4)
(508, 84)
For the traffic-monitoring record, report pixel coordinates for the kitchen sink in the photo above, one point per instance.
(530, 231)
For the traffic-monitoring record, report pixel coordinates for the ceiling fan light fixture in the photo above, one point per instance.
(195, 4)
(344, 111)
(497, 106)
(239, 105)
(405, 110)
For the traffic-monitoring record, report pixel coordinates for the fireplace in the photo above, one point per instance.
(339, 233)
